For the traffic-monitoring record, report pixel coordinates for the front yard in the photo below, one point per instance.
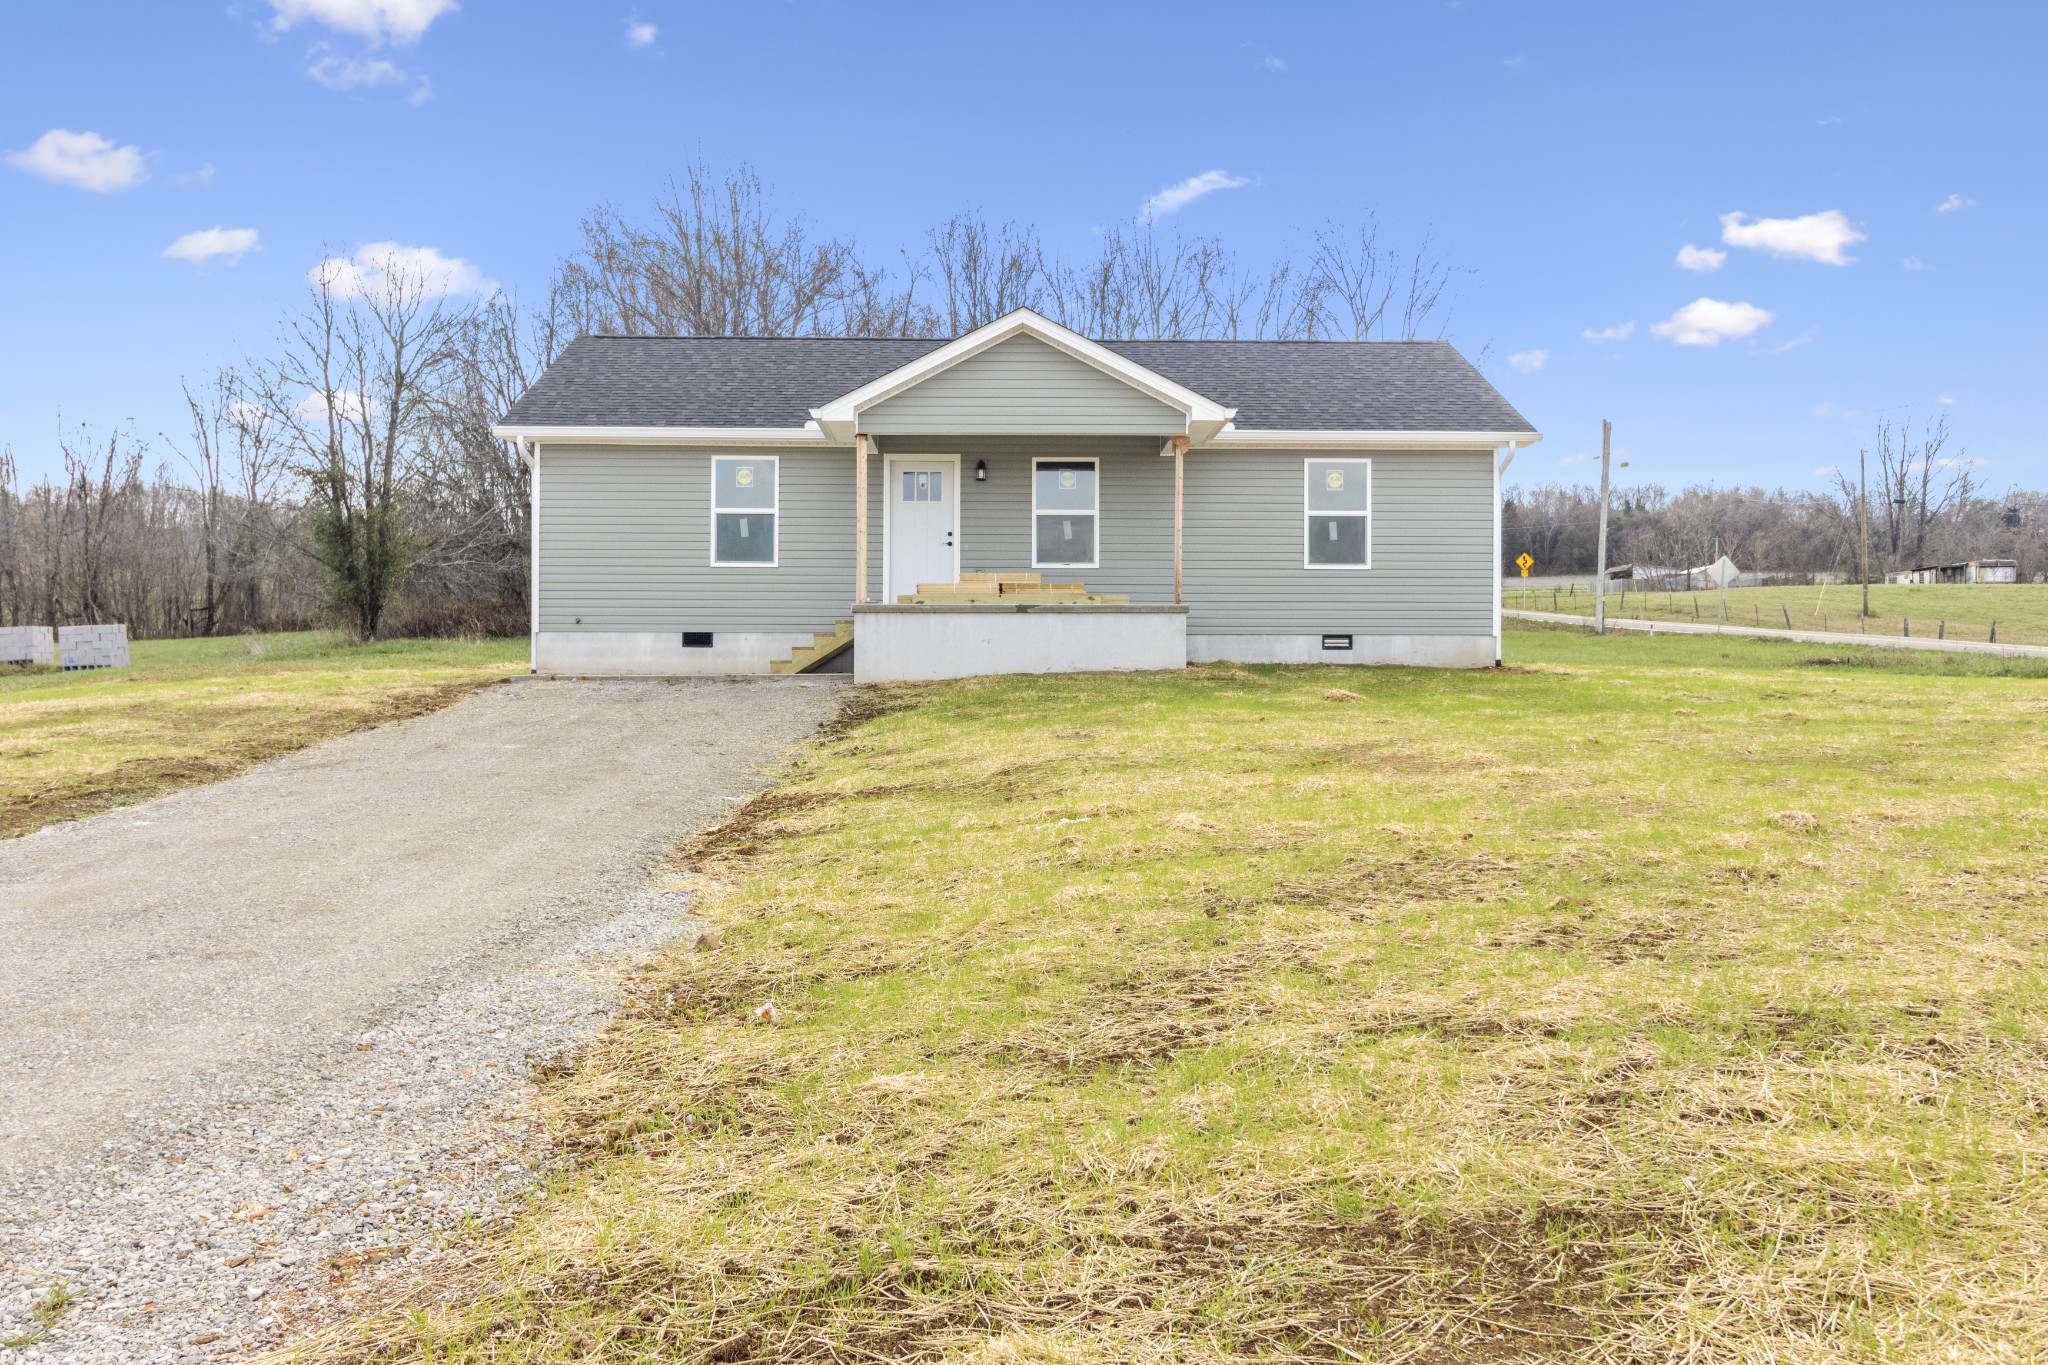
(191, 711)
(1653, 998)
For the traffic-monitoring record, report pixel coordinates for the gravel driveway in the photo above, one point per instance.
(260, 1036)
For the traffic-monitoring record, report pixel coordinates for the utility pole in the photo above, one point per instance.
(1600, 575)
(1720, 611)
(1863, 521)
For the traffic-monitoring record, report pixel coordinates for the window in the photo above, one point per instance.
(924, 485)
(743, 507)
(1063, 514)
(1338, 510)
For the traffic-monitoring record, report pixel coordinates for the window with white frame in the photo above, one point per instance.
(1337, 509)
(743, 509)
(1064, 511)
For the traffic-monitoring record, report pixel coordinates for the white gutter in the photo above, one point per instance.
(1361, 440)
(808, 434)
(1499, 656)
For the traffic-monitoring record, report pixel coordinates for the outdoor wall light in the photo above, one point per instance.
(981, 471)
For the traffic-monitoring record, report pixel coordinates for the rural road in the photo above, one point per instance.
(226, 926)
(1814, 637)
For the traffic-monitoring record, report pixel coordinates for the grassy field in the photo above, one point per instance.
(2020, 609)
(193, 711)
(1650, 999)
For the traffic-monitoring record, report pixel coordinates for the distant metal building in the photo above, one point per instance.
(1974, 571)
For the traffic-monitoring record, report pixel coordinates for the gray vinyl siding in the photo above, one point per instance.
(625, 543)
(1432, 547)
(625, 537)
(1022, 385)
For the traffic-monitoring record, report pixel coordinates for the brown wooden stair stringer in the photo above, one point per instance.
(822, 649)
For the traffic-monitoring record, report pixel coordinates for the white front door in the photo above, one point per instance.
(924, 500)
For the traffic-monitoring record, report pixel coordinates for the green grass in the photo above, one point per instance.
(44, 1312)
(2020, 609)
(189, 711)
(1651, 998)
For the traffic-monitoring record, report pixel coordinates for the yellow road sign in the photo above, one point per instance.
(1525, 563)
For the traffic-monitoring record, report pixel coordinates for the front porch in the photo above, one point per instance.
(1097, 518)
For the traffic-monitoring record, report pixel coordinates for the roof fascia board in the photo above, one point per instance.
(1234, 437)
(806, 435)
(1022, 322)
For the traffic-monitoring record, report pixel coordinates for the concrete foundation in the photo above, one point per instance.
(660, 654)
(1419, 651)
(921, 643)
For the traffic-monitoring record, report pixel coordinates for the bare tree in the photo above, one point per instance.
(350, 396)
(1918, 486)
(719, 261)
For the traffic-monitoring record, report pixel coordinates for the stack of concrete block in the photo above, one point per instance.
(93, 646)
(27, 645)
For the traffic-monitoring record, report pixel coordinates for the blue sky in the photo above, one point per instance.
(1886, 161)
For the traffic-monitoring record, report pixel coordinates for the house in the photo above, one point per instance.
(1018, 499)
(1973, 571)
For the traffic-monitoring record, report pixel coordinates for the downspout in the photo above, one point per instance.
(532, 458)
(1499, 469)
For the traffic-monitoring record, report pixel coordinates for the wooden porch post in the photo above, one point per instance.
(1180, 451)
(860, 518)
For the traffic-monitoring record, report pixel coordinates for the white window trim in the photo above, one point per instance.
(1306, 515)
(889, 472)
(1093, 511)
(774, 560)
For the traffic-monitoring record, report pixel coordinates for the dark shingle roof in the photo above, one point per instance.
(776, 381)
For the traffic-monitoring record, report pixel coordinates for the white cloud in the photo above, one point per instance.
(1911, 263)
(202, 246)
(1516, 62)
(1579, 458)
(1174, 197)
(86, 160)
(1709, 322)
(1823, 470)
(246, 415)
(1948, 400)
(346, 407)
(1955, 203)
(1831, 121)
(1275, 64)
(1528, 362)
(340, 71)
(1813, 237)
(1805, 338)
(1620, 332)
(1823, 409)
(1692, 257)
(374, 269)
(201, 177)
(640, 33)
(375, 21)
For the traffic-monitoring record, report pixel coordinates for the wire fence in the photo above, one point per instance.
(1746, 607)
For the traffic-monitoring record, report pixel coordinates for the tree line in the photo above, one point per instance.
(1919, 503)
(346, 473)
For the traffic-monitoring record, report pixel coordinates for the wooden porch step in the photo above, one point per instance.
(1015, 599)
(1008, 589)
(821, 650)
